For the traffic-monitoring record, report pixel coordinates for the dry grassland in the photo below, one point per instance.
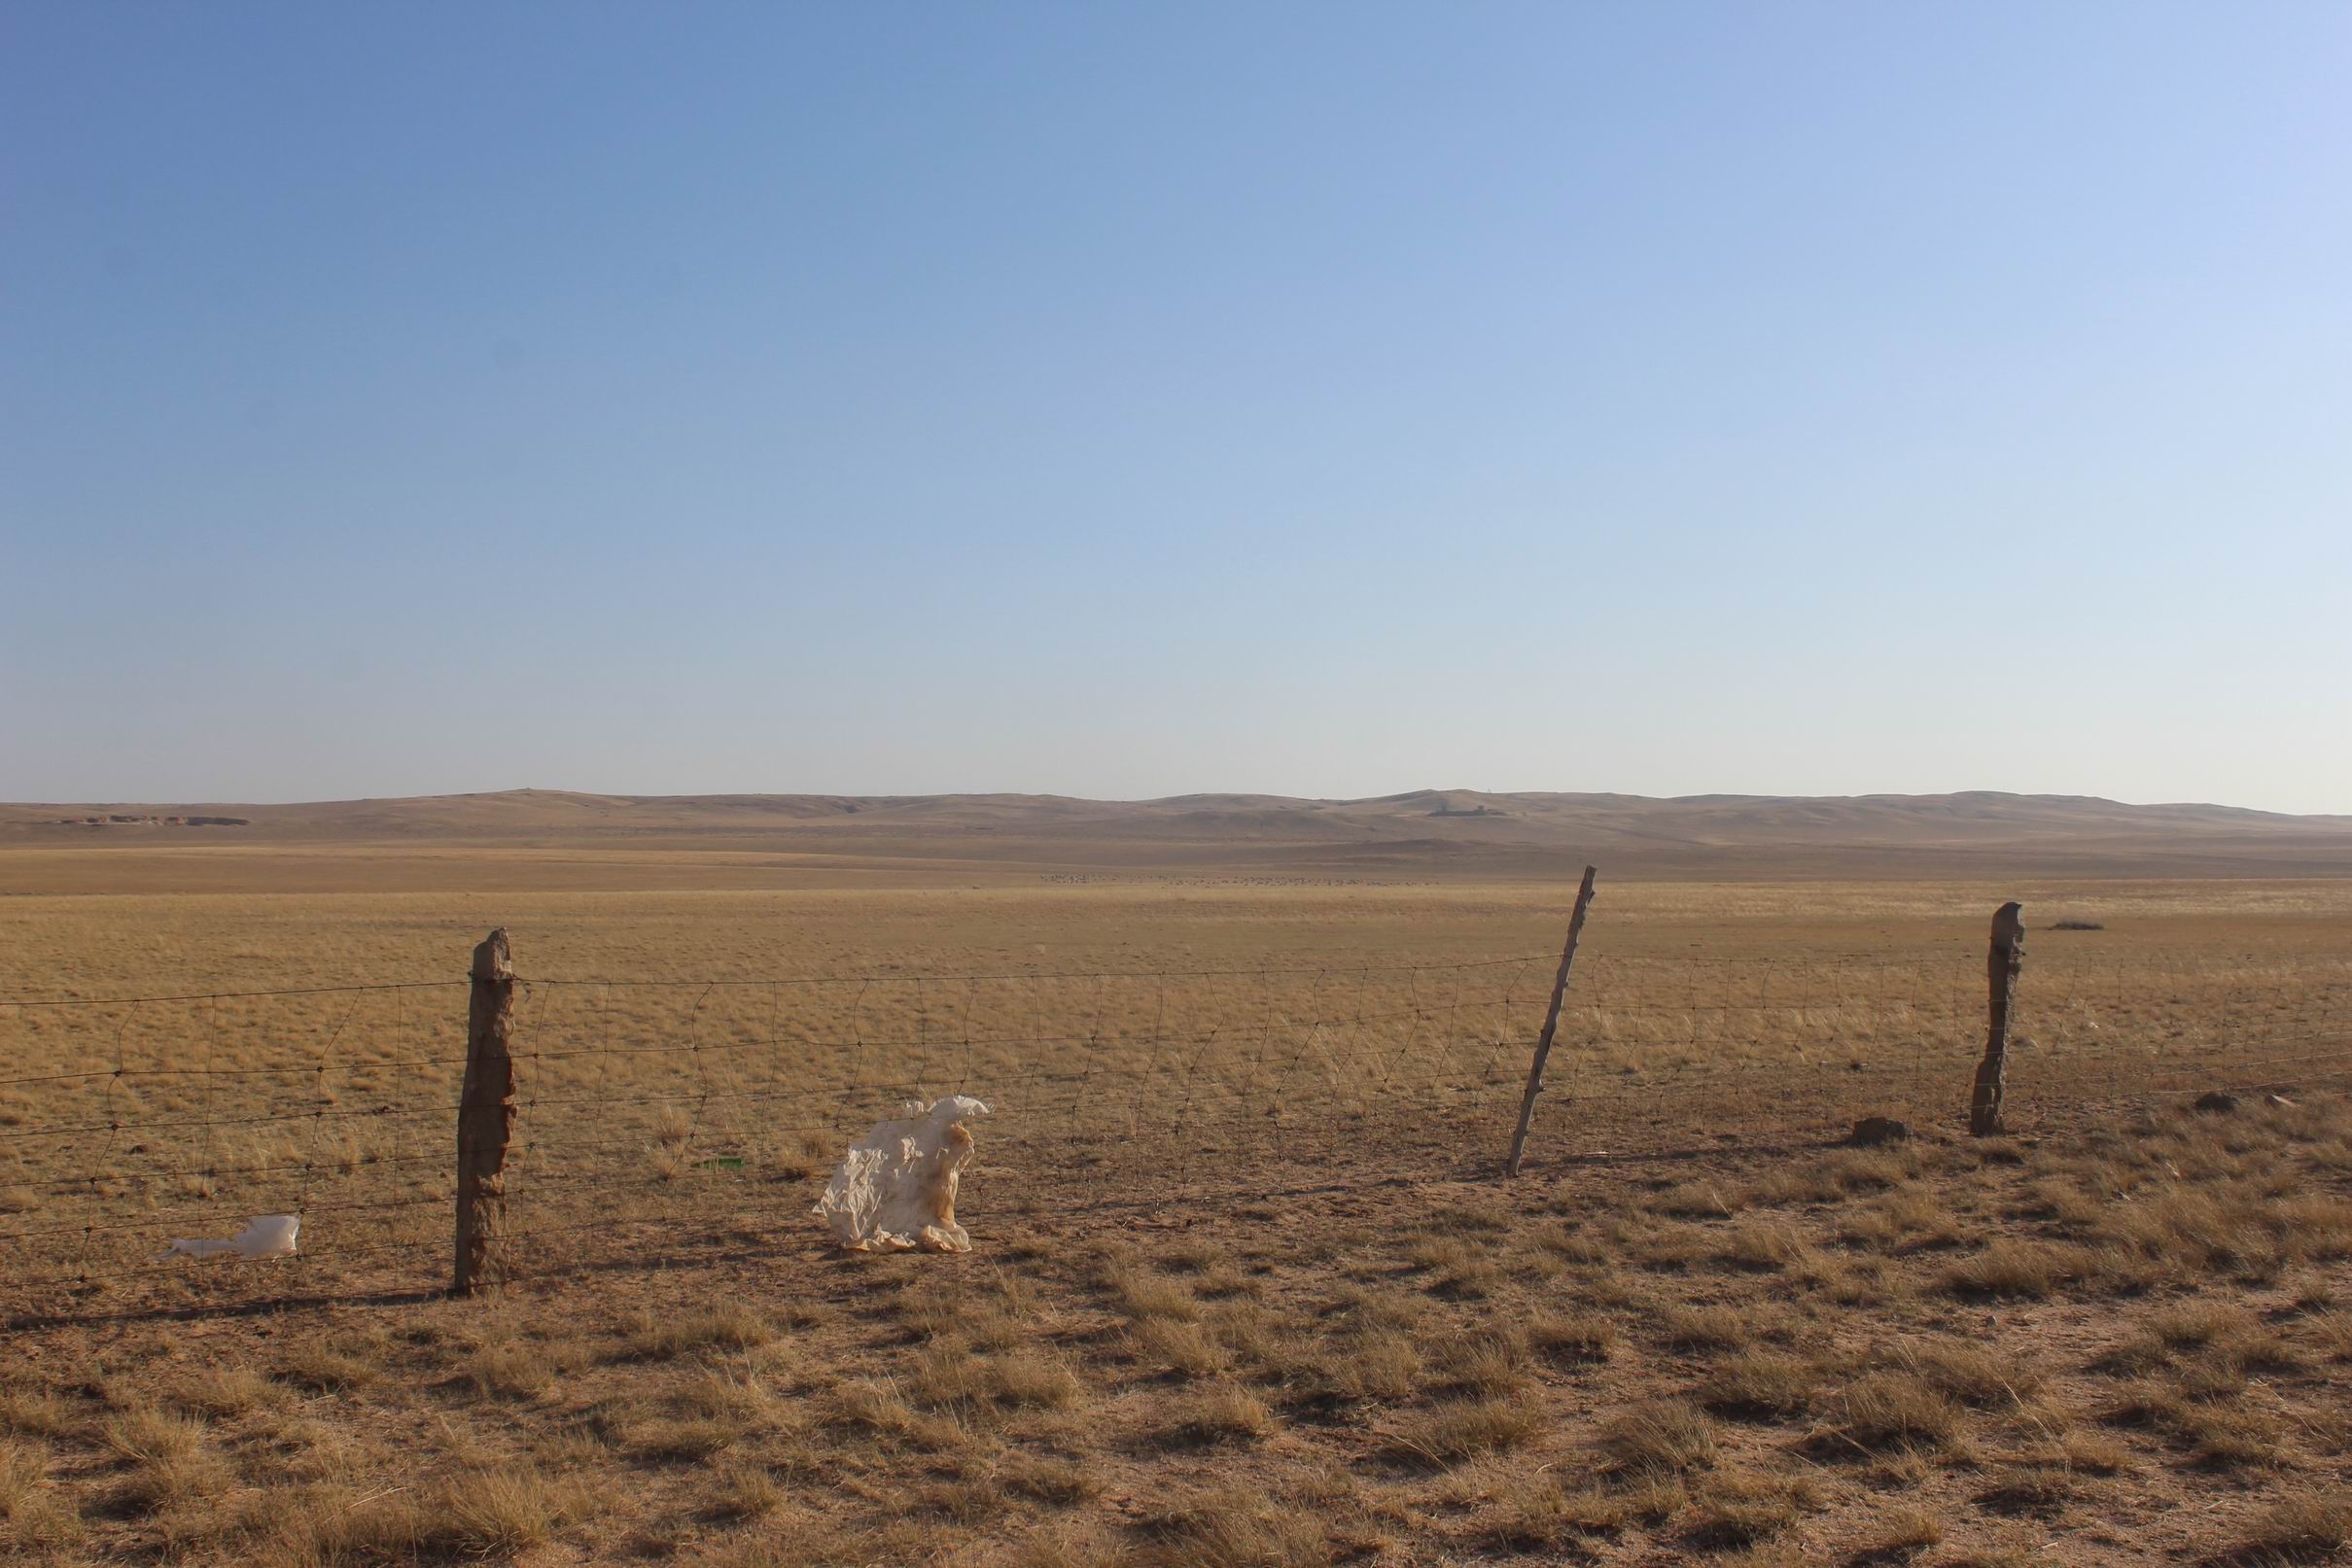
(1245, 1295)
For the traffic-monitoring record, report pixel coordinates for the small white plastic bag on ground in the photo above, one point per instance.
(265, 1235)
(895, 1189)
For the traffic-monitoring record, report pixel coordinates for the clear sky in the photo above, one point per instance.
(1126, 400)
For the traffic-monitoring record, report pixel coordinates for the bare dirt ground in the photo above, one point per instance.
(1247, 1289)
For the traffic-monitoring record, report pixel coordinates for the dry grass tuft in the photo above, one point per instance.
(1974, 1374)
(1144, 1299)
(1490, 1364)
(1057, 1483)
(1705, 1328)
(33, 1516)
(1222, 1414)
(747, 1491)
(875, 1405)
(672, 1126)
(1237, 1527)
(2210, 1348)
(1456, 1270)
(683, 1438)
(228, 1392)
(1885, 1411)
(1460, 1219)
(1031, 1380)
(332, 1368)
(1742, 1508)
(1178, 1349)
(2092, 1453)
(2310, 1526)
(1383, 1367)
(2234, 1437)
(2020, 1269)
(1898, 1534)
(1572, 1337)
(170, 1459)
(1379, 1368)
(472, 1514)
(1847, 1171)
(1762, 1386)
(516, 1370)
(663, 1337)
(1458, 1430)
(1768, 1246)
(1540, 1513)
(1700, 1200)
(1659, 1439)
(34, 1413)
(949, 1377)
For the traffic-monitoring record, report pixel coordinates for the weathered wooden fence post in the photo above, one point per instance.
(1551, 1025)
(2001, 968)
(486, 1120)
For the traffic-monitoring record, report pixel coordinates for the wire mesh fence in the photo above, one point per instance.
(659, 1113)
(1803, 1048)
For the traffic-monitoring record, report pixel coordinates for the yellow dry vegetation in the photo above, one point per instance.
(1247, 1291)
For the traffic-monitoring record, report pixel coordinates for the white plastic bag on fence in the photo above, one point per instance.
(265, 1235)
(895, 1189)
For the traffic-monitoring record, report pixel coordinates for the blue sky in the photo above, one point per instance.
(1132, 399)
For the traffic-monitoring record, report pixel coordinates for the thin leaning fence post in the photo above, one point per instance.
(486, 1120)
(2001, 968)
(1551, 1025)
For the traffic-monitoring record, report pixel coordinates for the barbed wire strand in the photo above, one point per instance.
(1821, 1036)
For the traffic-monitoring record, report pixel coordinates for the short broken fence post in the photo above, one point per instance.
(486, 1120)
(2001, 968)
(1551, 1025)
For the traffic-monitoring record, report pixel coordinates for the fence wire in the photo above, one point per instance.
(657, 1114)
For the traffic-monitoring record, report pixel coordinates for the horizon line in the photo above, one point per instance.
(1179, 796)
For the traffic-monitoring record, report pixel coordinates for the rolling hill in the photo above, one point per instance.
(1424, 832)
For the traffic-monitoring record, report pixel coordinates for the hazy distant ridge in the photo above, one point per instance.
(1448, 830)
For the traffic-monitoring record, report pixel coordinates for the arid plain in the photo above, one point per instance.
(1246, 1288)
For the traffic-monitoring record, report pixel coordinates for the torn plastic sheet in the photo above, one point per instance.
(895, 1189)
(265, 1235)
